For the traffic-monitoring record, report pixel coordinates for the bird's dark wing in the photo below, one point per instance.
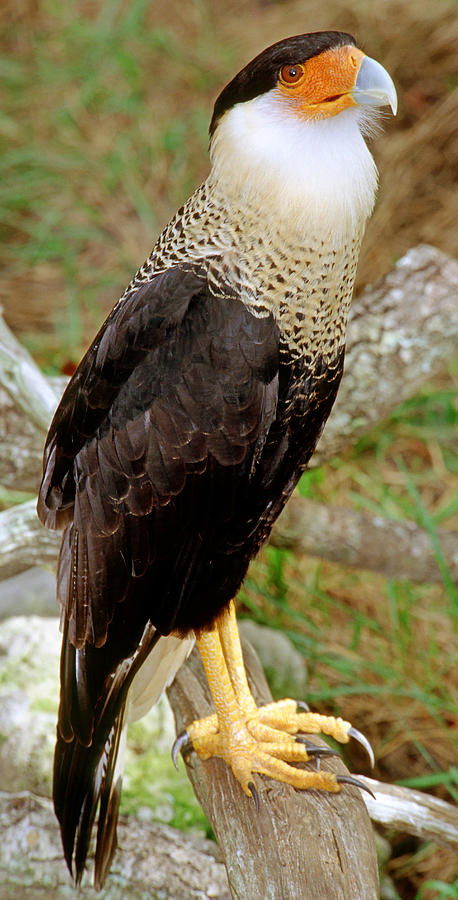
(155, 439)
(177, 385)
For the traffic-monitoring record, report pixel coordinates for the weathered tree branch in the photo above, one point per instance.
(155, 858)
(413, 812)
(25, 384)
(300, 844)
(21, 447)
(151, 860)
(396, 549)
(400, 333)
(24, 542)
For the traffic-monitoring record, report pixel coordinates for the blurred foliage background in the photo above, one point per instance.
(103, 123)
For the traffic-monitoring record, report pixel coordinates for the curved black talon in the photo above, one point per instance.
(314, 750)
(348, 779)
(354, 733)
(183, 742)
(301, 704)
(251, 785)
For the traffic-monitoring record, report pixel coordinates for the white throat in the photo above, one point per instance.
(318, 175)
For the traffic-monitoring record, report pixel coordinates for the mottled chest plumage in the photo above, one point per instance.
(305, 282)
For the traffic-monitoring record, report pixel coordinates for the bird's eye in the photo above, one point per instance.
(291, 74)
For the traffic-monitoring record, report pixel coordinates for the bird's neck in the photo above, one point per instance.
(315, 177)
(285, 241)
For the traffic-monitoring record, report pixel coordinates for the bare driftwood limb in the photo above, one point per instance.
(399, 550)
(300, 844)
(21, 447)
(401, 332)
(413, 812)
(151, 861)
(24, 542)
(24, 382)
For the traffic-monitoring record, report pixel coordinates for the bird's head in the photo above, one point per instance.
(291, 123)
(312, 77)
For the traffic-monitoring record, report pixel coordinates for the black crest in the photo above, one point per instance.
(260, 75)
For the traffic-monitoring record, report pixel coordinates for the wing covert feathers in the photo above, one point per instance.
(177, 386)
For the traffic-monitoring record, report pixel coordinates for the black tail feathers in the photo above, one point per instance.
(89, 755)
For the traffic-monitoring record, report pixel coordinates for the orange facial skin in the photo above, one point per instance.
(321, 87)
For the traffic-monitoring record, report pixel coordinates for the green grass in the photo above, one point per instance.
(440, 890)
(10, 497)
(447, 779)
(82, 78)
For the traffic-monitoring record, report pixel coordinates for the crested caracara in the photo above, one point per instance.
(190, 419)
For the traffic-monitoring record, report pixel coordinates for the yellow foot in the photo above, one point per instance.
(253, 740)
(251, 747)
(262, 740)
(276, 722)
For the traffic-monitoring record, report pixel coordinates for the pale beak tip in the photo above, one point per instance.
(374, 87)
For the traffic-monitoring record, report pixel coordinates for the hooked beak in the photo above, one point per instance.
(373, 86)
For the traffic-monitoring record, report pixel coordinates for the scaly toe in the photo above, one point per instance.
(267, 740)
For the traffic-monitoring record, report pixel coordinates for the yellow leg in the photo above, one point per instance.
(232, 740)
(249, 739)
(281, 715)
(232, 650)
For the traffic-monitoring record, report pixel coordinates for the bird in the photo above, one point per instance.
(190, 419)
